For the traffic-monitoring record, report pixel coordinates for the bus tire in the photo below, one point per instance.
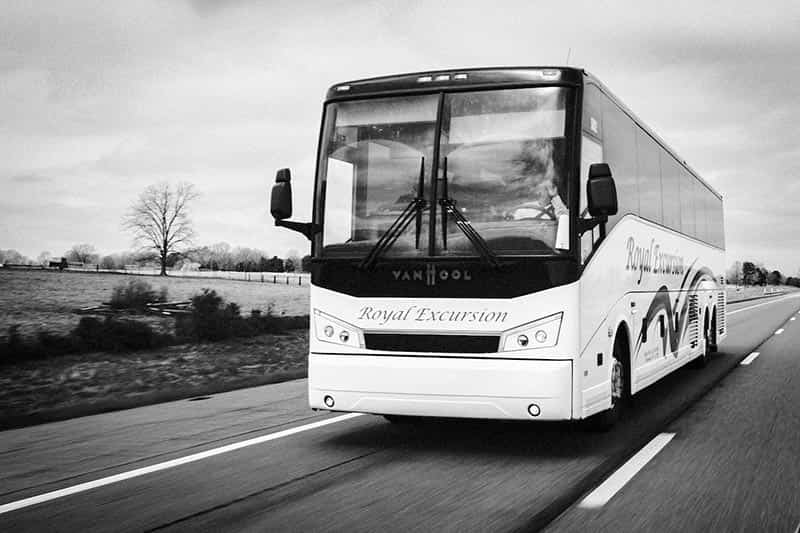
(620, 390)
(706, 347)
(713, 334)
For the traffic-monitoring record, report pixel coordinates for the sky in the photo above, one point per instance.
(99, 99)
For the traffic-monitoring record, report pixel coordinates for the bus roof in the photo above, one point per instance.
(486, 77)
(455, 78)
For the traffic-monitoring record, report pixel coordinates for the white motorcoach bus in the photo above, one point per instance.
(508, 243)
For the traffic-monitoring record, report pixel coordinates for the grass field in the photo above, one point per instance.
(44, 300)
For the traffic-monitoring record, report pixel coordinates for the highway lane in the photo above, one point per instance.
(360, 474)
(734, 462)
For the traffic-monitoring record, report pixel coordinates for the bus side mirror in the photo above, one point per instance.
(601, 193)
(281, 205)
(281, 201)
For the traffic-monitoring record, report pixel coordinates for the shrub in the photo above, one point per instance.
(136, 294)
(210, 319)
(17, 347)
(115, 335)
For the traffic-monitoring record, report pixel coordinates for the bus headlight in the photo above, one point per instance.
(335, 331)
(540, 333)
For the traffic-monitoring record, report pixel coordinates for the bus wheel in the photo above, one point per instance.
(607, 419)
(706, 347)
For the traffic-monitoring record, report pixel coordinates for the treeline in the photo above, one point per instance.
(219, 256)
(752, 273)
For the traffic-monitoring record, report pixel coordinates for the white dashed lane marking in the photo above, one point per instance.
(600, 496)
(27, 502)
(750, 358)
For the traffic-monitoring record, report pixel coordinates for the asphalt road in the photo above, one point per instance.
(731, 463)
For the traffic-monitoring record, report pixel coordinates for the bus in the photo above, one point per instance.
(501, 243)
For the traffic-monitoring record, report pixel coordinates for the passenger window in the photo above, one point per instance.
(687, 203)
(670, 195)
(649, 177)
(618, 140)
(700, 210)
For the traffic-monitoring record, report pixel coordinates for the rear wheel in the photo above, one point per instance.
(706, 346)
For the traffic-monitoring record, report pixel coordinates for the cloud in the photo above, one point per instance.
(30, 178)
(102, 99)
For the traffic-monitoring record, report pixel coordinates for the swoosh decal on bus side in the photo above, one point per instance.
(662, 302)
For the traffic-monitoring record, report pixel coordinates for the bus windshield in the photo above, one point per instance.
(502, 161)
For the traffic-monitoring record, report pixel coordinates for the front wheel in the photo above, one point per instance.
(608, 418)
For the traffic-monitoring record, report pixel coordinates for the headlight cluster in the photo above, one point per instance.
(541, 333)
(329, 329)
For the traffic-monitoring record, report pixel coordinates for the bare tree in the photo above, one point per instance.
(160, 221)
(44, 258)
(81, 253)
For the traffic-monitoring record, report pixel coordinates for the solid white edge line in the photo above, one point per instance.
(608, 488)
(750, 358)
(778, 332)
(27, 502)
(760, 305)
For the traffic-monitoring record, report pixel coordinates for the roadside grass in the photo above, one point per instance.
(127, 358)
(209, 319)
(81, 384)
(735, 293)
(41, 300)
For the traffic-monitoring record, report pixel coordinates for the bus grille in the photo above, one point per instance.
(392, 342)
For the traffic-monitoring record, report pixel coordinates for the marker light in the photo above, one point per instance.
(460, 77)
(329, 331)
(343, 88)
(522, 340)
(328, 401)
(551, 74)
(344, 336)
(541, 336)
(424, 79)
(442, 77)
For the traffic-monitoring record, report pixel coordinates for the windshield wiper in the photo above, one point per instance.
(449, 208)
(412, 210)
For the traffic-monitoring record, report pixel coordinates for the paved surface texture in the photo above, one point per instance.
(364, 474)
(734, 463)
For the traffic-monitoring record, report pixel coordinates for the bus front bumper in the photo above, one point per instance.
(469, 387)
